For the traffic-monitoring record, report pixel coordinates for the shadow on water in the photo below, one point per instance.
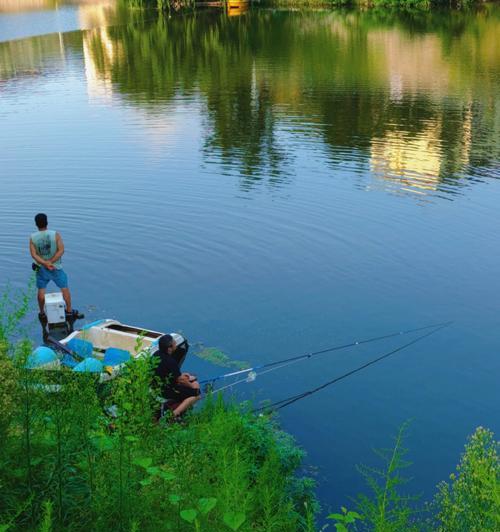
(413, 97)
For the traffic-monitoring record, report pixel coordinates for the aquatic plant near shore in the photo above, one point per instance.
(219, 358)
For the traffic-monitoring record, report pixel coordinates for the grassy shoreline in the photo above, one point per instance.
(66, 464)
(372, 4)
(182, 5)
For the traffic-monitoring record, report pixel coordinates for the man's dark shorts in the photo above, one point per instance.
(179, 392)
(44, 276)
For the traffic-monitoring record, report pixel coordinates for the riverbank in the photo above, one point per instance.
(239, 6)
(223, 470)
(367, 4)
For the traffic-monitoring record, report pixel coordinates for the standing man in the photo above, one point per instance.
(47, 248)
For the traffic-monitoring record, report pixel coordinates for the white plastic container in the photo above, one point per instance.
(55, 308)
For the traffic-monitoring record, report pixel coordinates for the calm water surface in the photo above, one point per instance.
(273, 183)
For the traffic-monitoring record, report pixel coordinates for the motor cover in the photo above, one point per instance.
(55, 308)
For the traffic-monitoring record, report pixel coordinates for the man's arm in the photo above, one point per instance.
(59, 251)
(39, 259)
(187, 380)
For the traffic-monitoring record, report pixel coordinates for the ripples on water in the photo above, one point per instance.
(271, 184)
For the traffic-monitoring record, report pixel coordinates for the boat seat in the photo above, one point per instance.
(114, 356)
(81, 348)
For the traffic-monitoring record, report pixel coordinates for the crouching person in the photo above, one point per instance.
(181, 390)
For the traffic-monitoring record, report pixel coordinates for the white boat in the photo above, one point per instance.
(103, 347)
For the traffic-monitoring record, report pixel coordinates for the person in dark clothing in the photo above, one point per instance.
(176, 387)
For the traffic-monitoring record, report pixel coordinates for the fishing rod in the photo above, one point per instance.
(278, 405)
(304, 356)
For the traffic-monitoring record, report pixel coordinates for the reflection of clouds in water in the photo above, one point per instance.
(16, 6)
(408, 162)
(13, 6)
(96, 13)
(396, 87)
(167, 130)
(412, 64)
(99, 84)
(414, 162)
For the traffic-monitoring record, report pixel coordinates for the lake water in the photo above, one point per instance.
(272, 183)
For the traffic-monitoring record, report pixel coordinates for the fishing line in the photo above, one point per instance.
(321, 352)
(252, 375)
(292, 399)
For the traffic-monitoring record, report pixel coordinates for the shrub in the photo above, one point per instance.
(471, 501)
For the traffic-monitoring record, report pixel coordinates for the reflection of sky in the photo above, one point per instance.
(20, 25)
(62, 18)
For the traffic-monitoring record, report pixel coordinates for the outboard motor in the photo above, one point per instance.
(55, 320)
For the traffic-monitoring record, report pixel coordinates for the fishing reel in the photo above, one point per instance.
(252, 375)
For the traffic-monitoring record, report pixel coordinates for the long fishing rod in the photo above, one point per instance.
(304, 356)
(292, 399)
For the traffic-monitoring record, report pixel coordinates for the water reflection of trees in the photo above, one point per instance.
(349, 74)
(393, 88)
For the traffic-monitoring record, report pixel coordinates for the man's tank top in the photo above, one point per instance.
(46, 246)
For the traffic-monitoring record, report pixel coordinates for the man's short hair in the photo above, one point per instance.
(165, 342)
(41, 220)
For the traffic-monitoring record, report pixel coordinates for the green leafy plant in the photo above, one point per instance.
(387, 509)
(471, 500)
(234, 520)
(345, 519)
